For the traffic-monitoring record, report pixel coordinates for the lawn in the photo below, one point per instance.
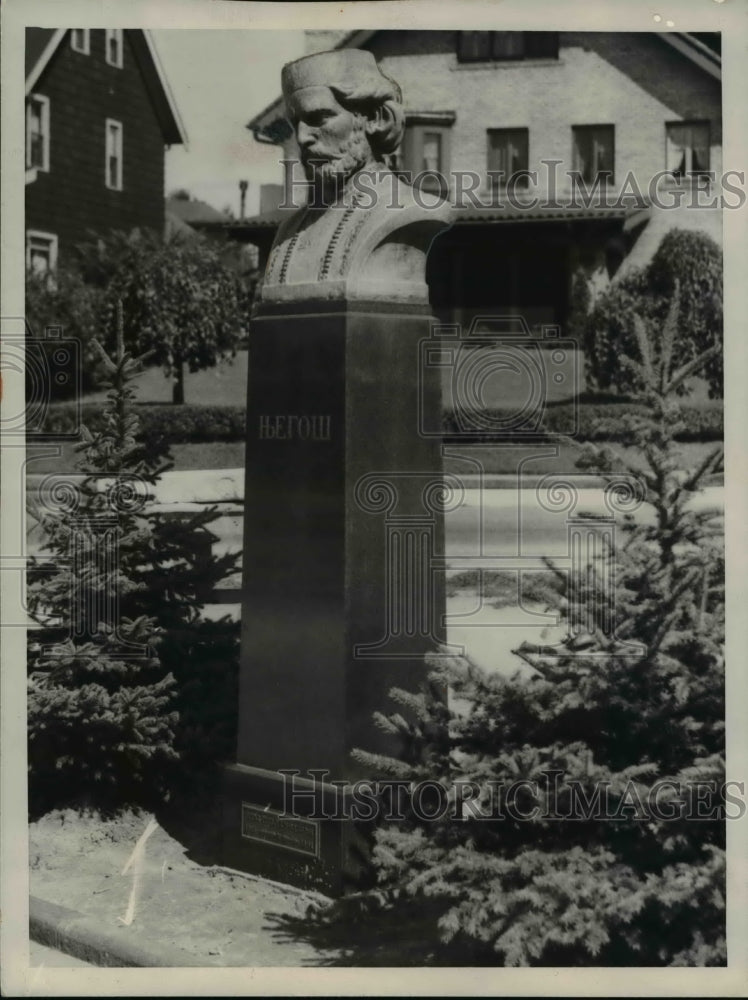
(205, 455)
(224, 384)
(500, 460)
(495, 460)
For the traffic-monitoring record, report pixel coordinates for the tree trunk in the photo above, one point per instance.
(177, 392)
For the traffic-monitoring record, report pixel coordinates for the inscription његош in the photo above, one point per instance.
(294, 427)
(271, 827)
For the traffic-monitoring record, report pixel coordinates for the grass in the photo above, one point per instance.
(501, 589)
(497, 460)
(225, 383)
(205, 455)
(230, 455)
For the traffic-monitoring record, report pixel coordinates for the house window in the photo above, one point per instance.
(504, 46)
(80, 40)
(431, 152)
(41, 252)
(425, 149)
(114, 47)
(37, 132)
(113, 160)
(594, 152)
(687, 148)
(507, 154)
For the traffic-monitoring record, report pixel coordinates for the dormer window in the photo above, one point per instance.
(506, 46)
(80, 40)
(113, 44)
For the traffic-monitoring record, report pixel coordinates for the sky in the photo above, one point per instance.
(221, 78)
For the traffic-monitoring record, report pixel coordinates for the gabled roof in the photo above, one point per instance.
(193, 211)
(700, 53)
(175, 227)
(694, 48)
(42, 43)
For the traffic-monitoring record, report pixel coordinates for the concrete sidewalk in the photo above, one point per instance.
(75, 935)
(226, 486)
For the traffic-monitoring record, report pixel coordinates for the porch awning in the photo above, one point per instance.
(632, 216)
(261, 227)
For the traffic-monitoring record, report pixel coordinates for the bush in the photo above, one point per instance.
(69, 303)
(694, 261)
(160, 421)
(166, 424)
(602, 421)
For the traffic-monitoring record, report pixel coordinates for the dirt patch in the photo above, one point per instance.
(77, 860)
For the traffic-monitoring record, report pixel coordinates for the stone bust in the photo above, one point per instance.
(364, 232)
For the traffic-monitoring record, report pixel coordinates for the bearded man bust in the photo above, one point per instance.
(364, 232)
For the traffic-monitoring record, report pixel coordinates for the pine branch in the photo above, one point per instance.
(692, 367)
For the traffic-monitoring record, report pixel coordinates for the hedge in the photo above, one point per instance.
(587, 422)
(193, 423)
(188, 423)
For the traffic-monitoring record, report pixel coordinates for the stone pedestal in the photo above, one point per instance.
(341, 602)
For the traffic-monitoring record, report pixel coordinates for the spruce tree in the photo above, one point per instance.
(111, 710)
(612, 851)
(100, 704)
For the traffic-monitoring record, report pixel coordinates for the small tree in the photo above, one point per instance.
(182, 304)
(582, 869)
(100, 717)
(110, 710)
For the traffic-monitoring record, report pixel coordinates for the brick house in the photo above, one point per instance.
(99, 114)
(606, 105)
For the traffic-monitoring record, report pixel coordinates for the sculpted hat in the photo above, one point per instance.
(353, 71)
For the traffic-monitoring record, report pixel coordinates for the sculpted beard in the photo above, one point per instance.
(353, 154)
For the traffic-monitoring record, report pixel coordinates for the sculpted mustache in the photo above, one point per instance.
(310, 157)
